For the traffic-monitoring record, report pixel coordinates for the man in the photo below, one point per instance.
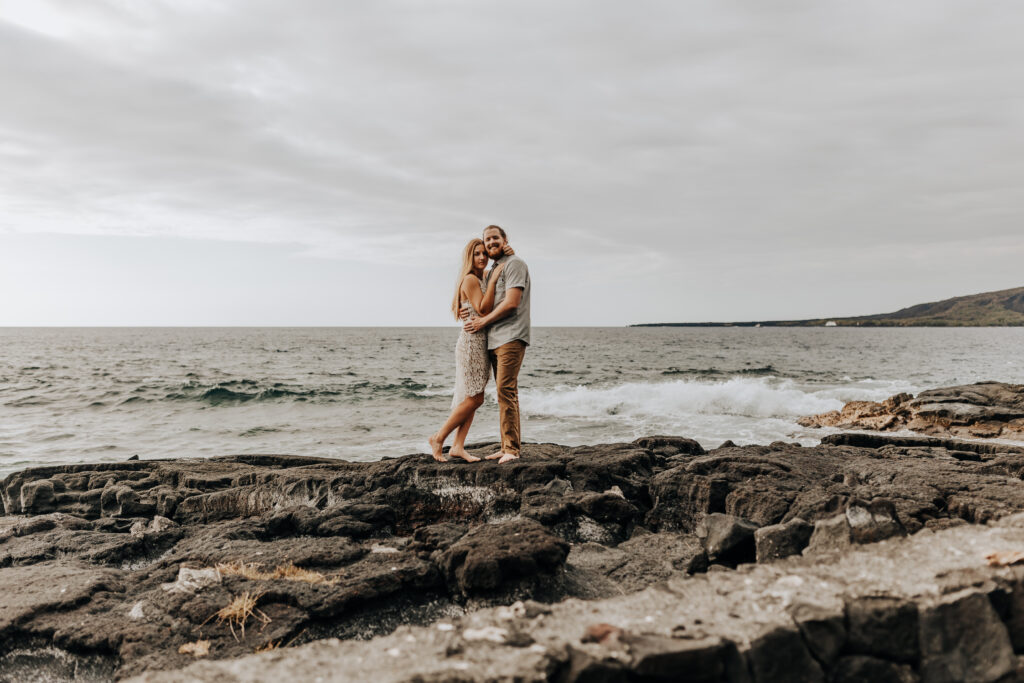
(508, 335)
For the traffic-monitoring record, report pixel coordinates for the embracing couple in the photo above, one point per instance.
(495, 310)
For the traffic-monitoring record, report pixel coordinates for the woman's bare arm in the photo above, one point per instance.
(483, 302)
(487, 299)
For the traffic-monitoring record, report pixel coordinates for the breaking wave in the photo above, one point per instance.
(743, 396)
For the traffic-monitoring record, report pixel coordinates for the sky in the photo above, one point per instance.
(323, 162)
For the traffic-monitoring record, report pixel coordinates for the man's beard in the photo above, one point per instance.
(495, 253)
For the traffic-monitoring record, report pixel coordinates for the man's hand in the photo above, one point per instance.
(473, 325)
(495, 272)
(464, 313)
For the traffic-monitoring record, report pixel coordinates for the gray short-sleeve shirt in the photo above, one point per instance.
(517, 324)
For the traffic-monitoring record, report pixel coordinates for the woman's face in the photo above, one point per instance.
(479, 257)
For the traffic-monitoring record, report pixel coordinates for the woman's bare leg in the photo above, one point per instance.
(464, 410)
(458, 448)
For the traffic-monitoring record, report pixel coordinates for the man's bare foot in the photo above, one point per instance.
(503, 457)
(463, 454)
(435, 448)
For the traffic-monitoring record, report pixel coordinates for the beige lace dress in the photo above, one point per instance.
(471, 366)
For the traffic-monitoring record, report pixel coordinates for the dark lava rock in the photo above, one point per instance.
(660, 658)
(770, 622)
(727, 539)
(874, 521)
(113, 567)
(780, 655)
(861, 523)
(823, 628)
(861, 669)
(963, 639)
(37, 497)
(776, 541)
(883, 627)
(32, 589)
(491, 556)
(670, 445)
(642, 561)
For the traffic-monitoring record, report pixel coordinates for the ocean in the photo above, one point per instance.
(72, 395)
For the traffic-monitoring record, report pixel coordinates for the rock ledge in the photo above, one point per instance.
(982, 410)
(128, 569)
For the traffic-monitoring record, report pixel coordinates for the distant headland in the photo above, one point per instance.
(1004, 308)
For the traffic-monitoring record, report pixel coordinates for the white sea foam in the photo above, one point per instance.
(744, 410)
(751, 397)
(759, 397)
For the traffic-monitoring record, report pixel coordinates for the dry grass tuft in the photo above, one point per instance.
(286, 572)
(238, 611)
(289, 572)
(249, 570)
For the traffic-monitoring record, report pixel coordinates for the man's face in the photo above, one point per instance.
(494, 243)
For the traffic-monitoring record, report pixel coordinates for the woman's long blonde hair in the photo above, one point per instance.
(465, 269)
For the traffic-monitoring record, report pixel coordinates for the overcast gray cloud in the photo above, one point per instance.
(653, 161)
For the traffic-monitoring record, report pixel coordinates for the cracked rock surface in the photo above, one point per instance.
(129, 569)
(981, 410)
(923, 608)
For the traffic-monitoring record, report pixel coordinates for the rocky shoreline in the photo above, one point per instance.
(630, 561)
(983, 410)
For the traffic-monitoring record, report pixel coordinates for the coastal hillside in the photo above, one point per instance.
(1004, 308)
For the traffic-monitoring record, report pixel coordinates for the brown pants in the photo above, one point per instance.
(505, 363)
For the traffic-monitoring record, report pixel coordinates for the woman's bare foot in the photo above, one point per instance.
(461, 453)
(464, 455)
(435, 448)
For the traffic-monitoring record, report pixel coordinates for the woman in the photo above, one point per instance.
(471, 365)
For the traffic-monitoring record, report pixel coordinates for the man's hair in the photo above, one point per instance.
(495, 227)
